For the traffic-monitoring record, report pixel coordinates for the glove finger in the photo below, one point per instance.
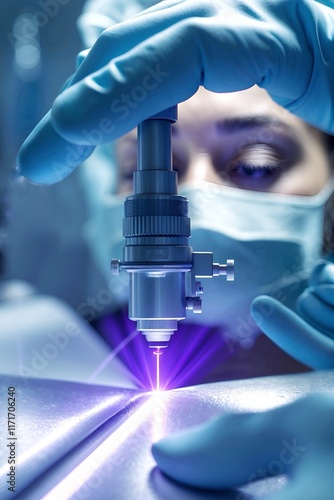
(44, 144)
(46, 158)
(222, 55)
(325, 293)
(316, 312)
(292, 334)
(155, 75)
(121, 38)
(322, 273)
(222, 453)
(234, 449)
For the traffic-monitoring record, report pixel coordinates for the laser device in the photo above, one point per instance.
(163, 269)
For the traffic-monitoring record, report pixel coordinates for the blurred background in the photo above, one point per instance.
(38, 49)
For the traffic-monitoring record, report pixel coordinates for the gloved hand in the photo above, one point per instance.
(160, 58)
(234, 449)
(309, 336)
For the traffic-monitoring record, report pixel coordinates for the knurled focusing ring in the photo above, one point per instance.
(156, 215)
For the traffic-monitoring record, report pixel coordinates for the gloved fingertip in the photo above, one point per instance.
(183, 441)
(322, 273)
(172, 461)
(262, 308)
(180, 455)
(30, 169)
(45, 158)
(159, 450)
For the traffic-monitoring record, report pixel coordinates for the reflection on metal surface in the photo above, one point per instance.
(94, 464)
(257, 399)
(63, 430)
(160, 402)
(53, 417)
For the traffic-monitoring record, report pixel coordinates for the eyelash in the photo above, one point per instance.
(256, 162)
(247, 169)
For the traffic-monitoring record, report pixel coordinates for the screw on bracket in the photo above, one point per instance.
(194, 304)
(224, 269)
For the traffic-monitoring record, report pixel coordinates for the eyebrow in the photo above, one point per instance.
(244, 123)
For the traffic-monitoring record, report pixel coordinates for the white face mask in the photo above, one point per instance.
(274, 240)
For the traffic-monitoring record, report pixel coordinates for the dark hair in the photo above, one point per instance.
(329, 145)
(328, 244)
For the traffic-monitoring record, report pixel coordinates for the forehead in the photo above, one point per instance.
(206, 108)
(257, 100)
(199, 115)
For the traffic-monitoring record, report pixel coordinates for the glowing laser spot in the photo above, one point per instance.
(158, 353)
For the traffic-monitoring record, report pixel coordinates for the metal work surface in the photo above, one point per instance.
(51, 418)
(113, 459)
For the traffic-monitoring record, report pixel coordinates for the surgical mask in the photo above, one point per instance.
(274, 240)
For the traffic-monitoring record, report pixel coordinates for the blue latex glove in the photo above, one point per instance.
(161, 56)
(234, 449)
(309, 336)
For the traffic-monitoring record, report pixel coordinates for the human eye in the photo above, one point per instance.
(255, 166)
